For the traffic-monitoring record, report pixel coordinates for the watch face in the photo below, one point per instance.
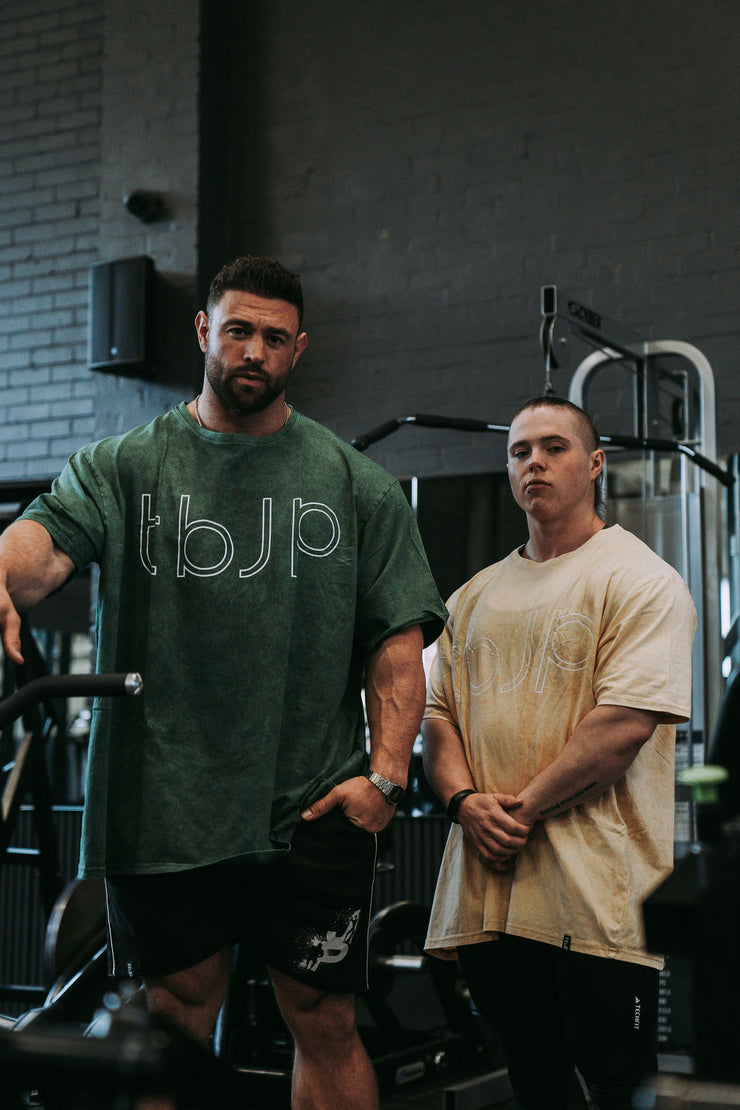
(395, 794)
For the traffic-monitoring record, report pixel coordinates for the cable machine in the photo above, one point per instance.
(660, 395)
(656, 399)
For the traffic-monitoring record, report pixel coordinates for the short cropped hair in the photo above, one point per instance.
(587, 430)
(262, 277)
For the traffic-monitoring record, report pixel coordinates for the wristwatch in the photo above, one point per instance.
(391, 791)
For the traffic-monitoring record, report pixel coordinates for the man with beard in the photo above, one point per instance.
(252, 567)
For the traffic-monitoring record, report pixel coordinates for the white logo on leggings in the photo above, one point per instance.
(329, 949)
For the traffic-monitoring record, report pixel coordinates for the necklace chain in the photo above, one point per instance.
(196, 414)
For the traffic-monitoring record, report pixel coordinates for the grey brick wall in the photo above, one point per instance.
(150, 141)
(97, 98)
(427, 167)
(50, 76)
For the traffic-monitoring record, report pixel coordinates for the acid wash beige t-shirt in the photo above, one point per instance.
(529, 649)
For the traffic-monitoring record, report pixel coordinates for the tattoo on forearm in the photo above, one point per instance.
(569, 799)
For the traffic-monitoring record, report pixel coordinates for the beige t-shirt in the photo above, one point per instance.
(529, 649)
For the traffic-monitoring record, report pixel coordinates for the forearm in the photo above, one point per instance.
(445, 764)
(490, 822)
(31, 565)
(394, 700)
(599, 752)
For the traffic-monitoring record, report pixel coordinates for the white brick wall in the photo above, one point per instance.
(50, 59)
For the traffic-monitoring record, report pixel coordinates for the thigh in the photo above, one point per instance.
(314, 1017)
(512, 982)
(165, 923)
(611, 1014)
(514, 986)
(316, 903)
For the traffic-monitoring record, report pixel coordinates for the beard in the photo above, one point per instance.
(242, 398)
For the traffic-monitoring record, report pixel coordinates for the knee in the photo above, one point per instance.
(191, 998)
(324, 1024)
(191, 989)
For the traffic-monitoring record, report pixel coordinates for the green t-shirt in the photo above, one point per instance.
(246, 578)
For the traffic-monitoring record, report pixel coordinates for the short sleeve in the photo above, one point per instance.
(645, 644)
(395, 588)
(73, 511)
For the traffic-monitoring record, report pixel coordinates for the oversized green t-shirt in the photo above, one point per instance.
(246, 578)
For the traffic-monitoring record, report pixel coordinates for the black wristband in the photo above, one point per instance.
(454, 804)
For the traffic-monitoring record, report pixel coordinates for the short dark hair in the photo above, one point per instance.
(589, 433)
(262, 277)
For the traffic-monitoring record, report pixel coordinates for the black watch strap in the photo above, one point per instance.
(454, 804)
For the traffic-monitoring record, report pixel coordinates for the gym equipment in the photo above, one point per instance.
(645, 388)
(128, 1053)
(76, 929)
(423, 1021)
(695, 913)
(75, 932)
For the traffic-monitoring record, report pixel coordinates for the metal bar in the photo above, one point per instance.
(22, 991)
(463, 424)
(12, 793)
(648, 443)
(422, 420)
(401, 963)
(69, 686)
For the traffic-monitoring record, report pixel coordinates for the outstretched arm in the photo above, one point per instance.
(394, 698)
(490, 822)
(31, 566)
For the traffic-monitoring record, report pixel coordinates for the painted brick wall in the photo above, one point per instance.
(149, 141)
(97, 99)
(50, 75)
(427, 167)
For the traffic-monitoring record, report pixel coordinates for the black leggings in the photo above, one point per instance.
(557, 1010)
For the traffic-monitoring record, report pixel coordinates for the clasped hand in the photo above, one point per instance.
(489, 824)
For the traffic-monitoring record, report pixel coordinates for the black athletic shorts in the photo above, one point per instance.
(305, 914)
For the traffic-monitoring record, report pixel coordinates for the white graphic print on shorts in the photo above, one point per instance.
(328, 949)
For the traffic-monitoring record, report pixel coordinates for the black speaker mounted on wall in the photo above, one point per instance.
(121, 330)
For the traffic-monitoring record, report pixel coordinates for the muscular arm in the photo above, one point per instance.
(31, 566)
(394, 697)
(598, 753)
